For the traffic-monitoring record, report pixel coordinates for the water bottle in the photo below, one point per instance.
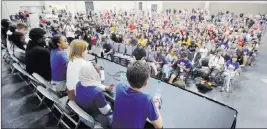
(123, 79)
(158, 90)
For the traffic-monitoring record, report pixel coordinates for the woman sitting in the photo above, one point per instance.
(89, 95)
(78, 50)
(59, 61)
(168, 67)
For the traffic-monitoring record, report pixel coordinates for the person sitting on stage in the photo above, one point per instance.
(89, 95)
(78, 50)
(182, 69)
(131, 97)
(231, 69)
(108, 49)
(59, 62)
(139, 52)
(37, 58)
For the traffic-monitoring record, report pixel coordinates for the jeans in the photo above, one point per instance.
(167, 70)
(154, 67)
(227, 79)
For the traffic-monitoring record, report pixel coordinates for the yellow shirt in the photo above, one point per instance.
(142, 42)
(113, 29)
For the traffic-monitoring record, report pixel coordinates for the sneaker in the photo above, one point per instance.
(222, 90)
(227, 90)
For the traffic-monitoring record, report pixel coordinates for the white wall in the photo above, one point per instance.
(110, 5)
(13, 7)
(71, 6)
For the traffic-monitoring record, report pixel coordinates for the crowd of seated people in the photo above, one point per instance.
(172, 44)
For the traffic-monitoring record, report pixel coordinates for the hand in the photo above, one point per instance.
(156, 102)
(110, 88)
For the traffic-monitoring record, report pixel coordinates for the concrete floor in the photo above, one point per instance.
(249, 92)
(248, 98)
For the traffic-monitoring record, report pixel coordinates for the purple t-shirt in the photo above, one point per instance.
(232, 65)
(132, 108)
(90, 98)
(58, 61)
(185, 63)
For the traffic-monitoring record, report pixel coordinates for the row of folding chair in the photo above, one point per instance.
(42, 90)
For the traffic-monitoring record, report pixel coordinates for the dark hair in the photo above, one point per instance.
(5, 23)
(184, 55)
(138, 73)
(53, 42)
(11, 28)
(36, 33)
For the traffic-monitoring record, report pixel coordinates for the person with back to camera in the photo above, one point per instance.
(78, 50)
(139, 105)
(89, 95)
(37, 58)
(59, 62)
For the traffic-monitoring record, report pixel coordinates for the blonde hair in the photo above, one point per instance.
(21, 26)
(77, 47)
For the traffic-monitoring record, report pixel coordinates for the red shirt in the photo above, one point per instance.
(93, 39)
(132, 27)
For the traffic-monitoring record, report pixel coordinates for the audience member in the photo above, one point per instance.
(89, 95)
(37, 57)
(59, 62)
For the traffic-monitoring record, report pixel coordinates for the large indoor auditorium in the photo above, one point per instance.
(133, 64)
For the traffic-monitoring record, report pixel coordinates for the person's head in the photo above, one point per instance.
(58, 41)
(234, 58)
(184, 46)
(12, 28)
(138, 74)
(37, 35)
(173, 52)
(158, 50)
(184, 55)
(219, 52)
(5, 23)
(77, 49)
(22, 28)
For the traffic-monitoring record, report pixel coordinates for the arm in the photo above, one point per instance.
(102, 104)
(154, 115)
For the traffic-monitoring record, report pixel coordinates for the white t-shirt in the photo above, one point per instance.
(70, 31)
(73, 72)
(216, 61)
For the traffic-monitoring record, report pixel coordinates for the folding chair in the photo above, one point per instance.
(122, 51)
(41, 80)
(117, 55)
(59, 103)
(83, 117)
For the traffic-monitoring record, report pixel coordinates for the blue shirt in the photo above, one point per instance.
(58, 60)
(132, 108)
(247, 52)
(90, 98)
(232, 65)
(223, 45)
(185, 63)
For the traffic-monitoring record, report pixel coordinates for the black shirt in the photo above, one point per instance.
(37, 60)
(139, 53)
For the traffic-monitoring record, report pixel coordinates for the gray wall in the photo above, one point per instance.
(216, 7)
(183, 5)
(253, 8)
